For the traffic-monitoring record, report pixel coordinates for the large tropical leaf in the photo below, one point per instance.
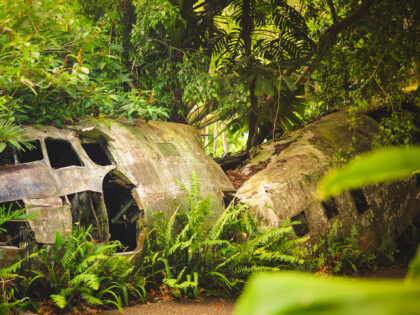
(294, 293)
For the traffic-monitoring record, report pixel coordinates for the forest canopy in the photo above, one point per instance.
(260, 67)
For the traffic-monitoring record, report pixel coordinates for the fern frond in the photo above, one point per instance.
(289, 245)
(167, 267)
(195, 189)
(181, 245)
(276, 257)
(10, 271)
(229, 215)
(11, 306)
(95, 258)
(269, 236)
(222, 278)
(187, 285)
(91, 299)
(199, 212)
(59, 300)
(70, 252)
(91, 280)
(183, 234)
(246, 271)
(212, 243)
(170, 227)
(353, 240)
(234, 257)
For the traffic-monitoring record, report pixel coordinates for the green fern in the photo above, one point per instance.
(59, 300)
(13, 135)
(219, 258)
(90, 280)
(7, 214)
(12, 278)
(91, 299)
(77, 269)
(343, 253)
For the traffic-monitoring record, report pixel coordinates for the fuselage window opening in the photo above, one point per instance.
(97, 153)
(302, 228)
(359, 200)
(61, 153)
(7, 156)
(32, 154)
(330, 208)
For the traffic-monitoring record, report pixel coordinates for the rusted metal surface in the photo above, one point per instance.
(9, 255)
(146, 160)
(38, 180)
(54, 215)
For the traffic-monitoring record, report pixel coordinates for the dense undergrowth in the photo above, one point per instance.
(182, 256)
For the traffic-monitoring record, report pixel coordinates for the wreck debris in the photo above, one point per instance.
(54, 215)
(285, 188)
(239, 176)
(113, 177)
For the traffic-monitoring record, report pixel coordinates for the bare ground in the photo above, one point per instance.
(208, 306)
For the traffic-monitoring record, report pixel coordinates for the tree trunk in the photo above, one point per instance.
(247, 26)
(128, 19)
(225, 143)
(206, 137)
(253, 118)
(215, 134)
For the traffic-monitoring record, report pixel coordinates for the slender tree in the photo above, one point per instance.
(246, 49)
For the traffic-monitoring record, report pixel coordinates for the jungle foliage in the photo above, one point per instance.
(259, 66)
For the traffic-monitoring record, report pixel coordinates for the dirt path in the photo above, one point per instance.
(208, 306)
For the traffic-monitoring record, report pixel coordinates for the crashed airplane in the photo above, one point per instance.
(293, 165)
(113, 177)
(117, 176)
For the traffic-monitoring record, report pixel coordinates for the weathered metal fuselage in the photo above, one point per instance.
(110, 176)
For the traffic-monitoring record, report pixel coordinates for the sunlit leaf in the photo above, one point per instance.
(294, 293)
(414, 271)
(84, 70)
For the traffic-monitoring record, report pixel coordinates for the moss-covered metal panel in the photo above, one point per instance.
(287, 186)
